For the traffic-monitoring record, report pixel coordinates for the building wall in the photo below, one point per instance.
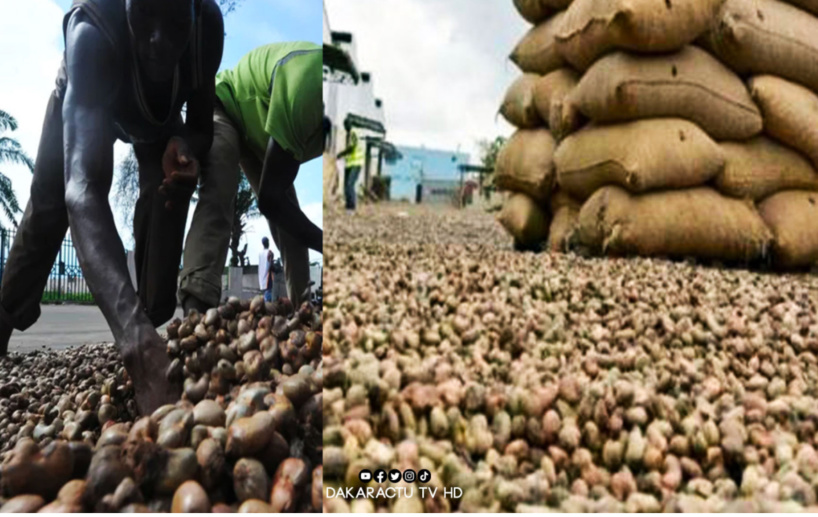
(343, 98)
(327, 31)
(420, 162)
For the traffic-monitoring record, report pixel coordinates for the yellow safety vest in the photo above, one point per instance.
(356, 157)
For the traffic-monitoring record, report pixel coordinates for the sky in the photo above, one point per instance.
(440, 66)
(31, 46)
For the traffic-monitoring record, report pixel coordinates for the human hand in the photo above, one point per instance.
(181, 170)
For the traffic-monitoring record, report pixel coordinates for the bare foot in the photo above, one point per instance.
(146, 360)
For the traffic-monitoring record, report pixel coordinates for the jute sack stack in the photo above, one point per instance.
(536, 11)
(564, 214)
(767, 37)
(519, 106)
(641, 156)
(525, 164)
(330, 179)
(761, 167)
(537, 52)
(807, 5)
(680, 223)
(524, 219)
(790, 113)
(792, 217)
(688, 84)
(550, 94)
(533, 101)
(592, 28)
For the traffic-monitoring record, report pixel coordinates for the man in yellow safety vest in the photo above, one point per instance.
(354, 154)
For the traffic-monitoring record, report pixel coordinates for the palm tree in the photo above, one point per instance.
(10, 152)
(244, 210)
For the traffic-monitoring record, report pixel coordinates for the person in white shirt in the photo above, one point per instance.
(265, 270)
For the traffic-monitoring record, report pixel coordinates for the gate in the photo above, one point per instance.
(65, 282)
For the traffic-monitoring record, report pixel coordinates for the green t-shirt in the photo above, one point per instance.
(276, 91)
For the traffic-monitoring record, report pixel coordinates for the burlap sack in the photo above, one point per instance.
(807, 5)
(537, 52)
(676, 223)
(761, 167)
(792, 216)
(524, 220)
(564, 214)
(330, 179)
(536, 11)
(526, 164)
(518, 106)
(688, 84)
(592, 28)
(790, 113)
(550, 94)
(767, 37)
(641, 156)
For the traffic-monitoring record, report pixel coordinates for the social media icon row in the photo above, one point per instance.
(394, 476)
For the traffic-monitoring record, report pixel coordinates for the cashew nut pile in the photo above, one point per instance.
(543, 382)
(244, 437)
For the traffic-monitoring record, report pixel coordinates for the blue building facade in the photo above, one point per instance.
(419, 163)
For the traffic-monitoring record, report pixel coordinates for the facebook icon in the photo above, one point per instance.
(380, 475)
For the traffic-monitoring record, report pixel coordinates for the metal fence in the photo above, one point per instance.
(65, 283)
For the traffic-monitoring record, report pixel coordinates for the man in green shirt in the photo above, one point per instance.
(268, 121)
(354, 154)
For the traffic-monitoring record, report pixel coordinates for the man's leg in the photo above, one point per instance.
(347, 189)
(40, 233)
(208, 240)
(159, 234)
(354, 172)
(294, 255)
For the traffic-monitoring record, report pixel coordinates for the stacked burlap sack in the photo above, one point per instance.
(681, 128)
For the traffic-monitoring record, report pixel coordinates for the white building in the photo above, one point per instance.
(349, 101)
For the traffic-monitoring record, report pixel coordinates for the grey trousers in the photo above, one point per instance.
(208, 240)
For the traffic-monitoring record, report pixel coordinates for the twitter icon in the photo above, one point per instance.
(394, 475)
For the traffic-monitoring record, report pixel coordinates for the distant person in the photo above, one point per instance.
(266, 123)
(354, 155)
(265, 270)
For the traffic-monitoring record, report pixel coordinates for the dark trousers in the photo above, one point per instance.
(350, 179)
(158, 232)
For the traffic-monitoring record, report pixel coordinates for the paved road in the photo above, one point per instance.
(62, 326)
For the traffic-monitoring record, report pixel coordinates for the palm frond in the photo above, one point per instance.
(228, 6)
(12, 152)
(7, 122)
(8, 200)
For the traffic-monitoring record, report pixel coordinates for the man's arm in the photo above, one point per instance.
(190, 146)
(198, 130)
(277, 177)
(93, 68)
